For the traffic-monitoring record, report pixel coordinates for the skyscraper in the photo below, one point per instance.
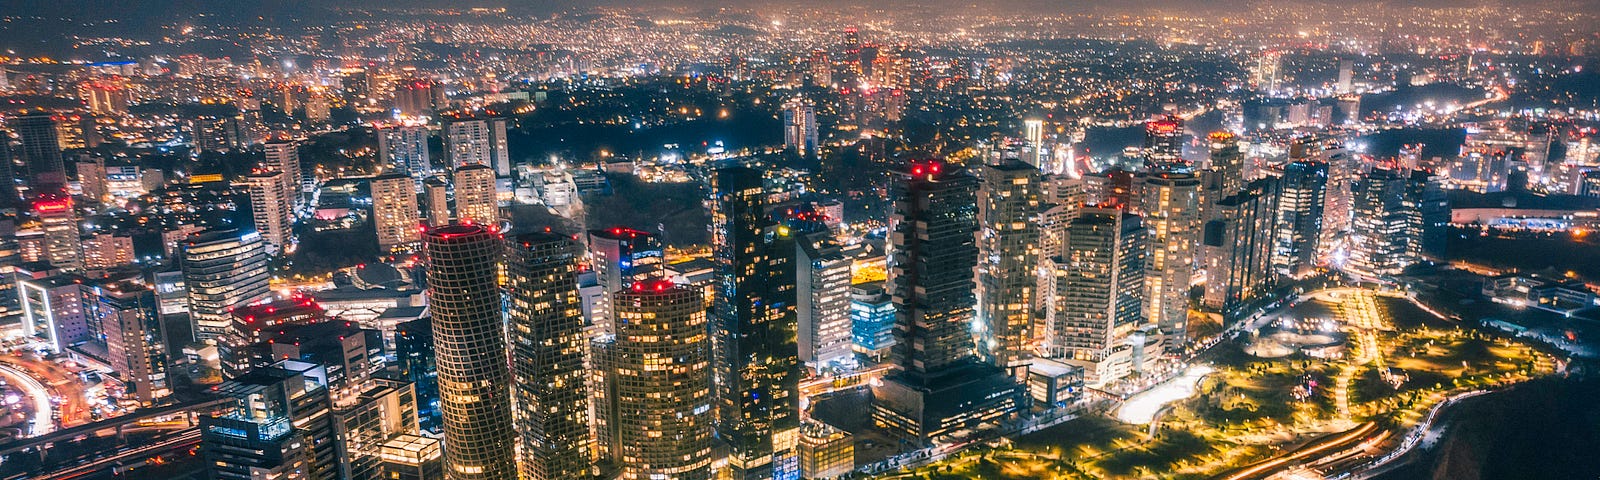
(1399, 221)
(940, 386)
(62, 246)
(41, 152)
(1299, 217)
(469, 344)
(1033, 133)
(480, 142)
(1346, 76)
(223, 269)
(1163, 142)
(476, 198)
(394, 210)
(547, 357)
(822, 280)
(1172, 214)
(1338, 194)
(135, 339)
(404, 149)
(934, 255)
(663, 390)
(1236, 247)
(1224, 175)
(800, 126)
(757, 360)
(284, 156)
(1008, 244)
(272, 206)
(619, 255)
(1099, 294)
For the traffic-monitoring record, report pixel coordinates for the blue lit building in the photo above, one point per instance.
(871, 320)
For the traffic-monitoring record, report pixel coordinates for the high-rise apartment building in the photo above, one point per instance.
(404, 149)
(436, 198)
(394, 211)
(476, 198)
(547, 357)
(470, 348)
(757, 360)
(272, 206)
(284, 156)
(223, 269)
(800, 126)
(478, 142)
(663, 398)
(1008, 259)
(1171, 208)
(1099, 293)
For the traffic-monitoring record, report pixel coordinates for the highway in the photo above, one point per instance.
(178, 441)
(43, 409)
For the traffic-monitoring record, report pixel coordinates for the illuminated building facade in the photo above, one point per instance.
(549, 386)
(476, 198)
(941, 386)
(757, 359)
(223, 269)
(663, 393)
(1008, 244)
(395, 216)
(1171, 208)
(470, 351)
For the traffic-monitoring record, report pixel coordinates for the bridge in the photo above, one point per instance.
(189, 411)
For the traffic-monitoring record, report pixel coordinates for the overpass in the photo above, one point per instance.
(43, 442)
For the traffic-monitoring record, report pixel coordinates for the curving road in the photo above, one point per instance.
(43, 410)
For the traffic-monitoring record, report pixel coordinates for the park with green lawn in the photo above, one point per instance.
(1399, 361)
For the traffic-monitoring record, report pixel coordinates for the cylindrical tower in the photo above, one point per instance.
(470, 348)
(663, 388)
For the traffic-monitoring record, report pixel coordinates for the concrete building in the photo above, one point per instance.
(272, 206)
(1009, 199)
(476, 197)
(548, 348)
(478, 142)
(62, 246)
(394, 211)
(404, 150)
(223, 269)
(1099, 294)
(1172, 215)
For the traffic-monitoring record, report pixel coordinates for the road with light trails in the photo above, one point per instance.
(179, 441)
(43, 409)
